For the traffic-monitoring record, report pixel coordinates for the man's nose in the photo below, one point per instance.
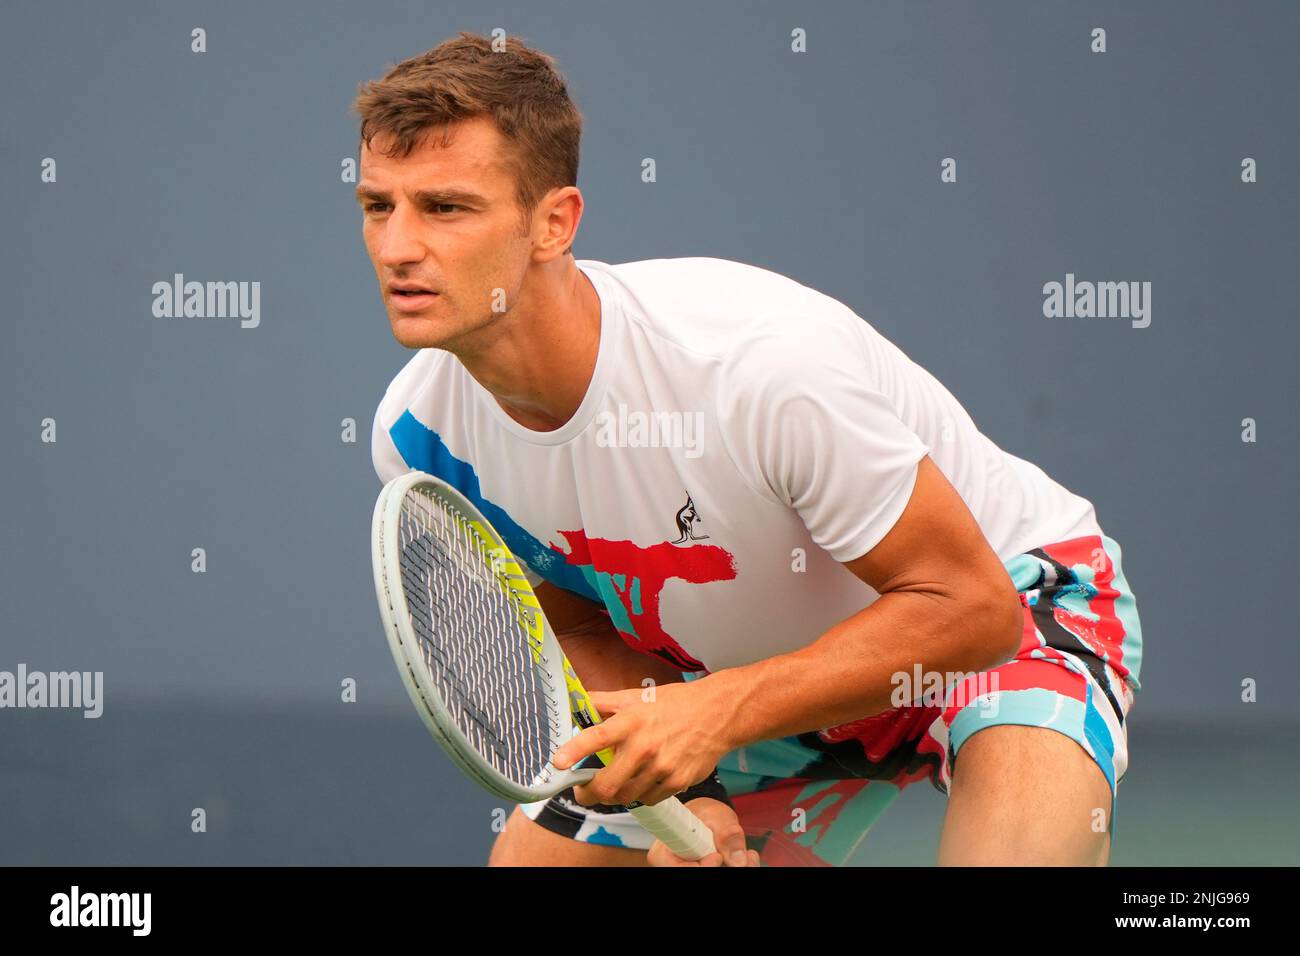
(400, 242)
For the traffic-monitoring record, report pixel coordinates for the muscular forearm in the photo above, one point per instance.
(603, 661)
(849, 672)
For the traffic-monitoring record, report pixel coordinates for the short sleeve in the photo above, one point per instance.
(385, 457)
(384, 454)
(402, 394)
(805, 425)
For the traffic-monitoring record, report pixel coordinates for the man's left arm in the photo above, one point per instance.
(946, 602)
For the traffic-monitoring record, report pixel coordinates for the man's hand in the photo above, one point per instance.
(728, 837)
(660, 747)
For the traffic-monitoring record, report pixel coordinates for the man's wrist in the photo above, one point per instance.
(711, 788)
(738, 704)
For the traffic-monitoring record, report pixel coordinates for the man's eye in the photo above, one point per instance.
(376, 206)
(446, 205)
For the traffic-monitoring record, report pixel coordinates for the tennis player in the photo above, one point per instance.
(799, 576)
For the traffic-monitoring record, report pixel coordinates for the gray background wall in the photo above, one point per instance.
(222, 689)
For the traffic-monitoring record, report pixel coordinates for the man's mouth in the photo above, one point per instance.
(411, 298)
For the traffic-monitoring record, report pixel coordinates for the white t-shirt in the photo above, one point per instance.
(741, 436)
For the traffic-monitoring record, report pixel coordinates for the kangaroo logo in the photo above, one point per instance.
(687, 518)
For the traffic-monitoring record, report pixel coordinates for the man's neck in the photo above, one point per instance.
(539, 367)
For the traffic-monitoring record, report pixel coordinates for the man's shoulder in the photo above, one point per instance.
(720, 307)
(700, 275)
(413, 379)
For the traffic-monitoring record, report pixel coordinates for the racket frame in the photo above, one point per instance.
(668, 820)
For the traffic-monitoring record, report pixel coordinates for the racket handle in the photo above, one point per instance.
(677, 828)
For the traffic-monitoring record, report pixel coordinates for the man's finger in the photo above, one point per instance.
(646, 786)
(733, 847)
(613, 784)
(660, 855)
(585, 744)
(607, 702)
(730, 839)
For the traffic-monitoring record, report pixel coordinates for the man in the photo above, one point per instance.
(775, 545)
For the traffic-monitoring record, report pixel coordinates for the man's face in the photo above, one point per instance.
(444, 220)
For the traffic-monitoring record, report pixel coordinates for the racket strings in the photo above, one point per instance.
(476, 649)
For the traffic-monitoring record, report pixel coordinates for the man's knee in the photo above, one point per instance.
(1026, 795)
(525, 843)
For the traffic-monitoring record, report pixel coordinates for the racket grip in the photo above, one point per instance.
(677, 828)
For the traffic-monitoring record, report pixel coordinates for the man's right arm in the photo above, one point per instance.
(604, 662)
(601, 658)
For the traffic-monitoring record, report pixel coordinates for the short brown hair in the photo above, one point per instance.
(464, 77)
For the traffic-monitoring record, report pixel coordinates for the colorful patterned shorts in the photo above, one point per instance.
(809, 800)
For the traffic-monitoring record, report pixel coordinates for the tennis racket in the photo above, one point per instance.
(478, 658)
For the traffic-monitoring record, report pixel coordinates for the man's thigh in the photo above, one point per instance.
(1026, 796)
(525, 843)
